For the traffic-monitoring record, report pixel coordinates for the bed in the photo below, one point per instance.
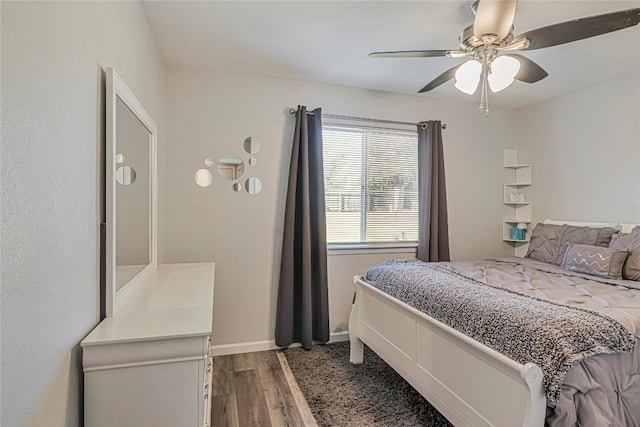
(458, 362)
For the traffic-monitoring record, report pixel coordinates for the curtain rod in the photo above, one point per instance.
(364, 119)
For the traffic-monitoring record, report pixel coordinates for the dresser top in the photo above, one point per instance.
(176, 301)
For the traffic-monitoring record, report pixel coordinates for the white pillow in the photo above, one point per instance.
(626, 228)
(615, 225)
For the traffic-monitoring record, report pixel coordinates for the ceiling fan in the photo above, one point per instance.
(491, 35)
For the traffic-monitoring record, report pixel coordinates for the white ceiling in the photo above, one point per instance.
(329, 42)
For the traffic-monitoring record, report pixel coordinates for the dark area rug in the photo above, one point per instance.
(371, 394)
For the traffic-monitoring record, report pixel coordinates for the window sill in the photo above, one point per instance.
(334, 249)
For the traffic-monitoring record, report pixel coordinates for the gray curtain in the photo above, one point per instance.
(433, 227)
(303, 311)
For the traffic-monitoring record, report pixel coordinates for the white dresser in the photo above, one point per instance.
(149, 364)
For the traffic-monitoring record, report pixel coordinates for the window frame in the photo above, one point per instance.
(355, 247)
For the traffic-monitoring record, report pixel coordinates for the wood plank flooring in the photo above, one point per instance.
(252, 389)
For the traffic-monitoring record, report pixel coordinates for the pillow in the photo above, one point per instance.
(628, 228)
(631, 243)
(584, 236)
(543, 245)
(594, 260)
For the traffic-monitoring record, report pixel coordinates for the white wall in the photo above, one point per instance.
(342, 265)
(210, 113)
(53, 60)
(585, 151)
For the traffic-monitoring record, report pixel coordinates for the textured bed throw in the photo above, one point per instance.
(524, 328)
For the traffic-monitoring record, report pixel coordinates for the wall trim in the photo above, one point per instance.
(347, 250)
(249, 347)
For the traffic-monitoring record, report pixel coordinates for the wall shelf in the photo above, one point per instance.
(520, 211)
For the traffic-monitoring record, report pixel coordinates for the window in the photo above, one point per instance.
(370, 179)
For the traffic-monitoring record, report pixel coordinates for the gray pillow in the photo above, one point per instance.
(543, 245)
(594, 260)
(631, 243)
(585, 236)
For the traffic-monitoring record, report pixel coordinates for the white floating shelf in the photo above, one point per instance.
(518, 184)
(519, 180)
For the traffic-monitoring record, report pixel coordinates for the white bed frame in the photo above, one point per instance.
(468, 382)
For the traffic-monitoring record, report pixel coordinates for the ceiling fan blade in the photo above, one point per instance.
(494, 17)
(417, 53)
(530, 72)
(578, 29)
(410, 54)
(442, 78)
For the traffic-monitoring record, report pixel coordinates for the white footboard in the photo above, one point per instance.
(468, 382)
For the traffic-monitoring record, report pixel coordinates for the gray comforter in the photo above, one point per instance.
(579, 331)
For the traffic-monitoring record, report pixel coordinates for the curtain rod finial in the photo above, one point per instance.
(424, 125)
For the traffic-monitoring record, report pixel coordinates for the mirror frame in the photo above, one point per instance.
(116, 88)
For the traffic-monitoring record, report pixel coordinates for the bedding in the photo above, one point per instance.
(595, 260)
(630, 243)
(627, 228)
(544, 241)
(583, 235)
(540, 297)
(549, 242)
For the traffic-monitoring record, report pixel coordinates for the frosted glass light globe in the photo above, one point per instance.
(468, 76)
(503, 71)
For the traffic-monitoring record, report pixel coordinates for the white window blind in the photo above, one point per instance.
(370, 178)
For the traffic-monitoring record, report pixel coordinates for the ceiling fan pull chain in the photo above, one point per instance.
(484, 93)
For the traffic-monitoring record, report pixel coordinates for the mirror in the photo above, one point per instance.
(253, 185)
(230, 166)
(132, 195)
(131, 198)
(125, 175)
(251, 145)
(203, 177)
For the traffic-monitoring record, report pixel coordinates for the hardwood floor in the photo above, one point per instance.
(252, 389)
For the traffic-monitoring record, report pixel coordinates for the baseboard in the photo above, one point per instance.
(339, 337)
(244, 347)
(249, 347)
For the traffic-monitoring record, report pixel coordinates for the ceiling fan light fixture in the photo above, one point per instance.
(503, 71)
(468, 76)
